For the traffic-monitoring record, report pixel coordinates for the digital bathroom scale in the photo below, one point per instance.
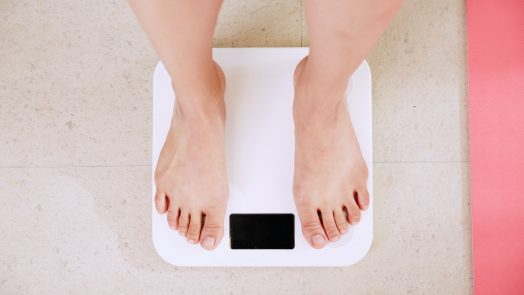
(262, 227)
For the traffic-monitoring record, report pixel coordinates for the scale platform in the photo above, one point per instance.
(260, 153)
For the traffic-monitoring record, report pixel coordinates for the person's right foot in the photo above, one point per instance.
(191, 178)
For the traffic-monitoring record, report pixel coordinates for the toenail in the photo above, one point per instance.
(208, 242)
(334, 239)
(182, 233)
(342, 231)
(318, 240)
(192, 242)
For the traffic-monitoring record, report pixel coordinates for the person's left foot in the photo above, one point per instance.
(330, 181)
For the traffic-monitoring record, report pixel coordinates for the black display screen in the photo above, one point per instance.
(262, 231)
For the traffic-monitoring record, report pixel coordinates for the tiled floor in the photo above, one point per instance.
(75, 133)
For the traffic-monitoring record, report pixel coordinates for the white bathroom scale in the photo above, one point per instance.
(262, 227)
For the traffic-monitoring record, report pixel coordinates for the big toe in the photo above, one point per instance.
(212, 231)
(362, 198)
(312, 228)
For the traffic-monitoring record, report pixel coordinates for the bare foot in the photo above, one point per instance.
(330, 181)
(191, 179)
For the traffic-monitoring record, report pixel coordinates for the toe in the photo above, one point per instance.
(161, 202)
(193, 234)
(362, 198)
(183, 222)
(340, 220)
(353, 212)
(330, 227)
(312, 228)
(172, 217)
(213, 230)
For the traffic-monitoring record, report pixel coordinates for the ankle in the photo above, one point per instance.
(199, 80)
(201, 98)
(320, 78)
(313, 114)
(208, 112)
(316, 98)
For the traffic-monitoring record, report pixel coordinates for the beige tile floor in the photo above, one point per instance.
(75, 132)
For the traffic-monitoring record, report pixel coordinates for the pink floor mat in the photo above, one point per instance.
(496, 111)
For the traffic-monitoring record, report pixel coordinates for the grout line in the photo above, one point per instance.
(419, 162)
(73, 166)
(149, 165)
(301, 20)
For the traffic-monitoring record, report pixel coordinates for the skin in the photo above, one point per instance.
(330, 181)
(191, 177)
(330, 174)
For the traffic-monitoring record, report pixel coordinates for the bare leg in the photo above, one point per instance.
(191, 179)
(330, 183)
